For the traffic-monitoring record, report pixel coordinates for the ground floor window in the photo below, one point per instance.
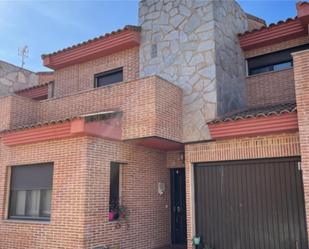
(114, 191)
(30, 192)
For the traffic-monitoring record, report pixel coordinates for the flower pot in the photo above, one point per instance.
(111, 216)
(196, 241)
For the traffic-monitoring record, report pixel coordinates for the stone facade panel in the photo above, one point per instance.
(187, 55)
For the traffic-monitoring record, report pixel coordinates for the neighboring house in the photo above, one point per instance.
(194, 123)
(20, 81)
(14, 78)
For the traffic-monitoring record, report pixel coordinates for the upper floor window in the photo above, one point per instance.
(109, 77)
(273, 61)
(30, 192)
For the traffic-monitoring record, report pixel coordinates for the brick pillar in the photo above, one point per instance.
(301, 75)
(189, 202)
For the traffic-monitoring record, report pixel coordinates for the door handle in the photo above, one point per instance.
(178, 209)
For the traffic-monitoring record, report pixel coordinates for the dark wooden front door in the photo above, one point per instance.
(252, 204)
(178, 206)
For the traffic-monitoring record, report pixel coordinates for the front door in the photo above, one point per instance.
(178, 206)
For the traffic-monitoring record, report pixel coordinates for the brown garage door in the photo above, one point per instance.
(251, 204)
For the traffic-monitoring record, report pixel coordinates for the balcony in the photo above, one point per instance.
(270, 88)
(151, 110)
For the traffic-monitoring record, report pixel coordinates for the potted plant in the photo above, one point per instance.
(123, 213)
(113, 212)
(196, 240)
(119, 214)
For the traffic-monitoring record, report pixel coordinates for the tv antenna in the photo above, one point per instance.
(23, 53)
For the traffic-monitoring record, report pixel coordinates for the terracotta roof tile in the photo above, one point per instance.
(40, 124)
(269, 26)
(257, 112)
(89, 117)
(33, 87)
(127, 27)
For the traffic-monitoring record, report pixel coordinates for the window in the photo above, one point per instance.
(274, 61)
(115, 191)
(109, 77)
(30, 192)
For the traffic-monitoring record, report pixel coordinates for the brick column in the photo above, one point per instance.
(301, 75)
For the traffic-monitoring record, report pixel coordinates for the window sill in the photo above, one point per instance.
(113, 221)
(20, 221)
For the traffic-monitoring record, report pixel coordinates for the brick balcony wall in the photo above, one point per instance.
(151, 106)
(79, 77)
(17, 111)
(270, 88)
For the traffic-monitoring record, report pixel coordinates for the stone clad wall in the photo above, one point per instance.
(13, 78)
(230, 21)
(179, 44)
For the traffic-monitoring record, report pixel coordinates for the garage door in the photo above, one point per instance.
(251, 204)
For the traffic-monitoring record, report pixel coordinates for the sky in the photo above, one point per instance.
(47, 26)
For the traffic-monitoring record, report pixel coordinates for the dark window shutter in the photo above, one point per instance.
(110, 77)
(39, 176)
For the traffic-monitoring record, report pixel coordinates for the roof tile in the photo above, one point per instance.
(127, 27)
(263, 111)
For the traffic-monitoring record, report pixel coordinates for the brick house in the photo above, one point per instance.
(192, 124)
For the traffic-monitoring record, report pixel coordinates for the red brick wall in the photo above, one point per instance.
(151, 107)
(80, 77)
(174, 159)
(270, 88)
(301, 72)
(281, 145)
(17, 111)
(66, 228)
(149, 220)
(80, 196)
(278, 46)
(5, 112)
